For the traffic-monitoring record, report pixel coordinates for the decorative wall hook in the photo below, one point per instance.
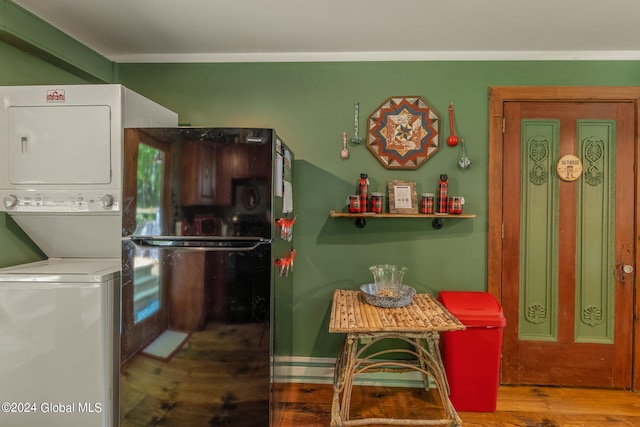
(356, 118)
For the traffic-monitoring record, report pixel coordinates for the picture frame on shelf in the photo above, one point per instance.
(403, 197)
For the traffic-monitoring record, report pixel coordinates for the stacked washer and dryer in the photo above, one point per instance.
(61, 182)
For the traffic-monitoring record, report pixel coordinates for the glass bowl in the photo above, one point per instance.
(387, 296)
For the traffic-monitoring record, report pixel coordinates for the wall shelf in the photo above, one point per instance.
(360, 218)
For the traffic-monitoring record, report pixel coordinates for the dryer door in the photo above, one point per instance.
(60, 145)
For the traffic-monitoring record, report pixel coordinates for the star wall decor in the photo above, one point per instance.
(403, 132)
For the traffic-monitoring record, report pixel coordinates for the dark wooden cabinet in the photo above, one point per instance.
(188, 292)
(198, 167)
(209, 170)
(198, 291)
(226, 169)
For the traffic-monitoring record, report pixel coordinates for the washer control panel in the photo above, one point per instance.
(59, 201)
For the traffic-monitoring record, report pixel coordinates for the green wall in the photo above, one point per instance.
(20, 68)
(310, 105)
(23, 29)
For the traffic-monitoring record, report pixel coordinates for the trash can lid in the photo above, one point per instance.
(474, 308)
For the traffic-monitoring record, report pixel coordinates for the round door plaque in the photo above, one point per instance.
(569, 167)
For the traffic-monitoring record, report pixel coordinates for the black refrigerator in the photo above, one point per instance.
(207, 266)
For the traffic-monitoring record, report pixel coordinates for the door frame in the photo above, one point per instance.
(497, 96)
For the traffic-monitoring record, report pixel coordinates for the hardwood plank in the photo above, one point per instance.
(179, 393)
(309, 405)
(218, 378)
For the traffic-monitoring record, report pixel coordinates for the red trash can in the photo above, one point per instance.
(472, 357)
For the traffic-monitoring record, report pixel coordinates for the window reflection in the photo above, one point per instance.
(147, 280)
(146, 285)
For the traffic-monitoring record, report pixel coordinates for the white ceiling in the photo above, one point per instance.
(349, 30)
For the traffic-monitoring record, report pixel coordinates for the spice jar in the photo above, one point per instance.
(455, 205)
(354, 204)
(426, 205)
(376, 202)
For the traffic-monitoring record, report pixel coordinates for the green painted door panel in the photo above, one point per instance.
(595, 232)
(539, 250)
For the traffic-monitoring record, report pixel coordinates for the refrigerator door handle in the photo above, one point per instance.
(223, 244)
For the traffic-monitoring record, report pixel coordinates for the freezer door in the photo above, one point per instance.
(218, 297)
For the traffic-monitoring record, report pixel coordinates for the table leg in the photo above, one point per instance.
(432, 341)
(350, 367)
(351, 362)
(343, 381)
(433, 359)
(338, 381)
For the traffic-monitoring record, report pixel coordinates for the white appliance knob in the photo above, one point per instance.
(107, 201)
(10, 201)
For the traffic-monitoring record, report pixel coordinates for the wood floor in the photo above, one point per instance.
(309, 405)
(220, 378)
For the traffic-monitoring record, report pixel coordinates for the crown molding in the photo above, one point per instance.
(377, 56)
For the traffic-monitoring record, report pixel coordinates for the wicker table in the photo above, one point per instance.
(417, 324)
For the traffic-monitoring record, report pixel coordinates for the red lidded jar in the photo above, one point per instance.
(426, 206)
(377, 200)
(354, 204)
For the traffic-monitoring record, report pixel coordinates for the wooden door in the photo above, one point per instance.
(565, 293)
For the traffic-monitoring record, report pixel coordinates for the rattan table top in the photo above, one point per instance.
(351, 314)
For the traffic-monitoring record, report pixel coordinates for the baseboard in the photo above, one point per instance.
(319, 370)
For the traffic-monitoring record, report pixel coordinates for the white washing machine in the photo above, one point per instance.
(56, 338)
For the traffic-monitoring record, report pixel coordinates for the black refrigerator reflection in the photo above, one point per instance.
(198, 301)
